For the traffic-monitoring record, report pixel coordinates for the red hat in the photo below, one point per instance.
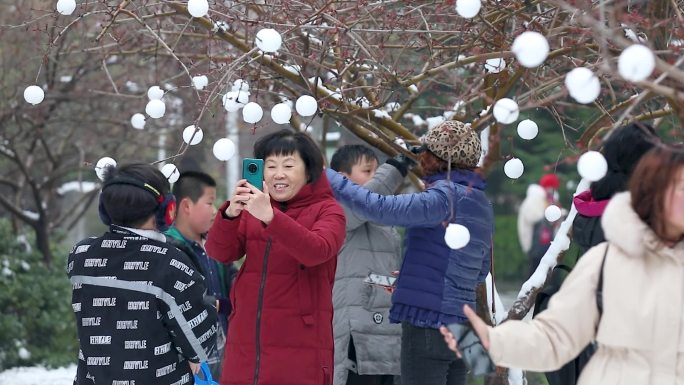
(549, 181)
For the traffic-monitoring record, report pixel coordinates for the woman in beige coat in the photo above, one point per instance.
(640, 334)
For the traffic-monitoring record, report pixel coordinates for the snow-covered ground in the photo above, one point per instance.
(38, 376)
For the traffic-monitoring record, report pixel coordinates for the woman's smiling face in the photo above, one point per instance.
(285, 175)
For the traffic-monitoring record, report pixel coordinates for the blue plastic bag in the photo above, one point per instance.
(206, 373)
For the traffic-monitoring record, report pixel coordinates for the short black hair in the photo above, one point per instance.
(623, 149)
(129, 205)
(286, 142)
(348, 155)
(191, 184)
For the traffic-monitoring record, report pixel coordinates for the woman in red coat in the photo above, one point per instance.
(281, 326)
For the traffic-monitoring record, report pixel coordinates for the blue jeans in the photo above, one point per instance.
(426, 359)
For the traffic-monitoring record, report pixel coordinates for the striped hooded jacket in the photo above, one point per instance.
(139, 308)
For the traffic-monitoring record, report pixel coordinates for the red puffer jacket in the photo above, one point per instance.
(281, 327)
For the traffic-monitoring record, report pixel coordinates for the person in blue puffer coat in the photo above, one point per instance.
(435, 280)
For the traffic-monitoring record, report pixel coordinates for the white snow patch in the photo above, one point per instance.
(38, 376)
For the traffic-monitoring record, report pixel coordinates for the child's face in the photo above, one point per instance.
(201, 213)
(362, 171)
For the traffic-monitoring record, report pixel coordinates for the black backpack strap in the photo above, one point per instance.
(599, 286)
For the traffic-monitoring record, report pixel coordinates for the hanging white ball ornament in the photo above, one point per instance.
(171, 172)
(306, 105)
(34, 95)
(252, 112)
(198, 8)
(495, 65)
(281, 113)
(583, 85)
(528, 129)
(155, 109)
(233, 100)
(224, 149)
(552, 213)
(456, 236)
(188, 133)
(199, 82)
(592, 166)
(268, 40)
(66, 7)
(468, 8)
(138, 121)
(636, 63)
(155, 93)
(530, 48)
(514, 168)
(506, 111)
(102, 165)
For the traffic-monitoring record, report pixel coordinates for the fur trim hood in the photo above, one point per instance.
(624, 229)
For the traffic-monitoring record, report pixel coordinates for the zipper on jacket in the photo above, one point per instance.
(260, 305)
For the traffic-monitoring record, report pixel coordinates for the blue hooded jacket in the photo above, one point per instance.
(435, 281)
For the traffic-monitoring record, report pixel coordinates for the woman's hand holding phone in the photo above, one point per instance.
(258, 203)
(238, 199)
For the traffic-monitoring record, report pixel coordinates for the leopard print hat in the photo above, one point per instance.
(454, 142)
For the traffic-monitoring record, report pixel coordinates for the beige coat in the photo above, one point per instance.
(640, 336)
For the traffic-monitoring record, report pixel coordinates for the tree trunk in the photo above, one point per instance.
(43, 241)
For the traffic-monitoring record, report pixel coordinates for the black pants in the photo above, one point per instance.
(380, 379)
(427, 360)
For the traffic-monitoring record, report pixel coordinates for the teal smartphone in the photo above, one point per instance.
(253, 171)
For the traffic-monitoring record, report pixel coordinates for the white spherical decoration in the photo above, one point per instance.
(240, 85)
(199, 82)
(189, 131)
(66, 7)
(34, 95)
(592, 166)
(506, 111)
(252, 112)
(155, 93)
(456, 236)
(468, 8)
(234, 100)
(224, 149)
(530, 48)
(155, 109)
(281, 113)
(552, 213)
(636, 63)
(138, 121)
(101, 166)
(514, 168)
(495, 65)
(24, 354)
(583, 85)
(528, 129)
(268, 40)
(171, 172)
(198, 8)
(306, 105)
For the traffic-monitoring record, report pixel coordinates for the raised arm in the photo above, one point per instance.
(315, 246)
(225, 241)
(558, 333)
(386, 180)
(425, 208)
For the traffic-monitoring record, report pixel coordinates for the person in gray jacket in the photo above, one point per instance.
(367, 346)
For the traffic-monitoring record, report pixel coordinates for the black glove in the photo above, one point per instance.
(402, 163)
